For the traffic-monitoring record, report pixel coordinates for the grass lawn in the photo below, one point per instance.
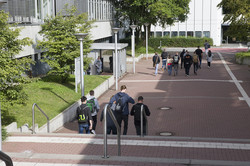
(52, 97)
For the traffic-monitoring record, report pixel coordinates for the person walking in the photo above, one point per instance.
(188, 62)
(209, 58)
(176, 63)
(164, 56)
(136, 112)
(206, 46)
(195, 63)
(170, 64)
(199, 52)
(111, 128)
(182, 57)
(123, 99)
(98, 65)
(93, 104)
(156, 61)
(83, 115)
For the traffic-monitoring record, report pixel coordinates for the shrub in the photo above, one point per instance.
(178, 42)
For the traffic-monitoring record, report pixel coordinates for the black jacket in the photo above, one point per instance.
(136, 112)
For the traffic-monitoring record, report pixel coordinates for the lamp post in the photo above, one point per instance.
(1, 3)
(80, 37)
(146, 24)
(115, 30)
(133, 45)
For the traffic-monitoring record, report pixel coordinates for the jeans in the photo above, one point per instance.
(169, 69)
(156, 68)
(164, 62)
(138, 129)
(125, 127)
(94, 121)
(176, 66)
(83, 126)
(200, 59)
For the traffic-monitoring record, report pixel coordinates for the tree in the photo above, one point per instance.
(11, 69)
(139, 12)
(60, 45)
(238, 16)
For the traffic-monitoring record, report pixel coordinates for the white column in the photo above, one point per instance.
(202, 18)
(115, 30)
(194, 19)
(146, 25)
(133, 45)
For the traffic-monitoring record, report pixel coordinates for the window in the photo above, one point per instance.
(158, 34)
(190, 33)
(198, 34)
(182, 33)
(206, 33)
(166, 33)
(174, 34)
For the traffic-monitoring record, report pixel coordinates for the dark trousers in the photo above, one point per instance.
(182, 61)
(111, 129)
(94, 122)
(196, 65)
(125, 127)
(208, 64)
(187, 68)
(138, 129)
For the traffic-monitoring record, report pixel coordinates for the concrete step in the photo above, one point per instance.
(150, 150)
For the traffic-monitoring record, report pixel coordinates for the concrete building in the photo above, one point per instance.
(204, 20)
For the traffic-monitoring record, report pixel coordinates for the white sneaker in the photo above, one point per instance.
(93, 132)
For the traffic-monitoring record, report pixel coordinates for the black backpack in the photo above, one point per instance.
(82, 115)
(119, 105)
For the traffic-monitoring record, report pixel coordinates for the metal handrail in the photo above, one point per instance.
(105, 130)
(5, 158)
(143, 113)
(33, 117)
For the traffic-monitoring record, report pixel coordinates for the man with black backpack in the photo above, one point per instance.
(136, 112)
(83, 115)
(122, 99)
(188, 60)
(94, 107)
(176, 63)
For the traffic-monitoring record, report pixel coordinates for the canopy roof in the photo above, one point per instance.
(108, 46)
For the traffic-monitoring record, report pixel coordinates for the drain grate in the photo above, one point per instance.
(166, 134)
(165, 108)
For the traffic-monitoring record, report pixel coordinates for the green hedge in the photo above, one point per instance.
(242, 54)
(178, 42)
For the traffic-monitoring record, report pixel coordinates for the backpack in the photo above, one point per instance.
(91, 104)
(195, 58)
(119, 106)
(176, 59)
(82, 115)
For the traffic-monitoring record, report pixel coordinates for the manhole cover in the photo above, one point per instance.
(165, 108)
(166, 134)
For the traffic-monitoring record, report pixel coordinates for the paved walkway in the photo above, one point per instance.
(209, 119)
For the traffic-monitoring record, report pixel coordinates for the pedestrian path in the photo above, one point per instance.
(208, 117)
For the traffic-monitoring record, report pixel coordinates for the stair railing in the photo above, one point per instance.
(107, 108)
(33, 117)
(143, 114)
(5, 158)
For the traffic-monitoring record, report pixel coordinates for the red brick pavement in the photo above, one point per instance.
(199, 108)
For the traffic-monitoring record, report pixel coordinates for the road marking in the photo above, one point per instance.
(236, 82)
(179, 144)
(181, 80)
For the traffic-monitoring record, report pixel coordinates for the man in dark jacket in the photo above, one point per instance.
(125, 99)
(156, 61)
(188, 60)
(83, 115)
(182, 57)
(164, 56)
(136, 112)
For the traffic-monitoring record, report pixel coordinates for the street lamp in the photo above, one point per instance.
(115, 30)
(146, 24)
(1, 3)
(80, 37)
(133, 45)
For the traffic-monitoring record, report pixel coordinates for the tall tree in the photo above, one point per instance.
(11, 69)
(60, 44)
(238, 16)
(138, 12)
